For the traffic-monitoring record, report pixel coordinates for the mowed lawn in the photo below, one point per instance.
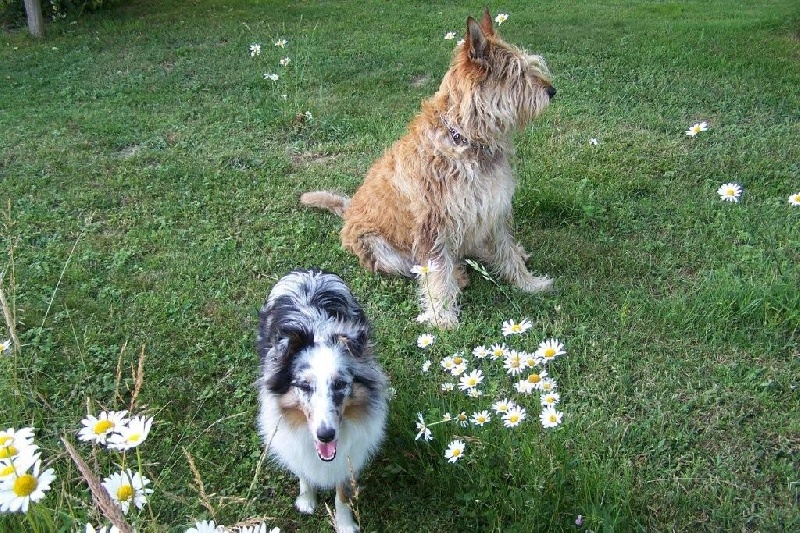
(150, 169)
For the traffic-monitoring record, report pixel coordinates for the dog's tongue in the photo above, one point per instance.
(326, 450)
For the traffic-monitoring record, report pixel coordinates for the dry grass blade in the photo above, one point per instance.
(138, 379)
(201, 490)
(99, 494)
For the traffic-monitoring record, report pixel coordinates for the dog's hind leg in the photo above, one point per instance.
(507, 258)
(306, 502)
(344, 515)
(378, 255)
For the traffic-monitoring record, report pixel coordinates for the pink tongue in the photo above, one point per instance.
(326, 450)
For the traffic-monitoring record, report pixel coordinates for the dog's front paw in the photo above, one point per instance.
(445, 320)
(344, 527)
(532, 284)
(306, 502)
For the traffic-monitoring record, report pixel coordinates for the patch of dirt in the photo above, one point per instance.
(420, 80)
(312, 158)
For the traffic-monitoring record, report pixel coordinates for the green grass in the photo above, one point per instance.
(152, 176)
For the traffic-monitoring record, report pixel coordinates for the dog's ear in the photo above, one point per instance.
(288, 343)
(486, 23)
(476, 43)
(358, 344)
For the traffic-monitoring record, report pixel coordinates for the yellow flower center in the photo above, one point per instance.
(513, 419)
(553, 418)
(514, 363)
(124, 493)
(134, 437)
(25, 485)
(549, 352)
(102, 426)
(4, 439)
(6, 471)
(458, 360)
(462, 417)
(456, 452)
(8, 451)
(516, 328)
(534, 378)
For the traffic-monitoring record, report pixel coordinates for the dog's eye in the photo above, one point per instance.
(339, 384)
(302, 385)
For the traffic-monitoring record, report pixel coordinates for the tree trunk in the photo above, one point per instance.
(33, 8)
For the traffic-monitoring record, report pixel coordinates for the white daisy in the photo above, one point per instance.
(531, 359)
(550, 399)
(550, 417)
(5, 346)
(498, 351)
(794, 199)
(549, 350)
(281, 43)
(730, 192)
(513, 363)
(18, 491)
(285, 61)
(480, 418)
(15, 442)
(593, 141)
(459, 369)
(474, 393)
(471, 380)
(510, 327)
(697, 128)
(501, 18)
(462, 419)
(514, 416)
(423, 270)
(548, 385)
(425, 340)
(447, 363)
(448, 387)
(423, 431)
(271, 76)
(480, 352)
(132, 434)
(449, 36)
(98, 429)
(455, 450)
(503, 406)
(126, 488)
(255, 50)
(426, 366)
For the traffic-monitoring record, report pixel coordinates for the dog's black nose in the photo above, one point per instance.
(326, 434)
(551, 92)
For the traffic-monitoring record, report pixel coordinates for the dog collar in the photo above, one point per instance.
(459, 139)
(455, 135)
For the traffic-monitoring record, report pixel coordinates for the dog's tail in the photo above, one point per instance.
(334, 202)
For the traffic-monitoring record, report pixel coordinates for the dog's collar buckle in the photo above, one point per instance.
(455, 135)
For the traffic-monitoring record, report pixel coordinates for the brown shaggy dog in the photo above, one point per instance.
(443, 191)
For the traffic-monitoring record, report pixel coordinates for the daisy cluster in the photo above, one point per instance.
(731, 192)
(451, 35)
(22, 480)
(116, 431)
(525, 375)
(208, 526)
(255, 51)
